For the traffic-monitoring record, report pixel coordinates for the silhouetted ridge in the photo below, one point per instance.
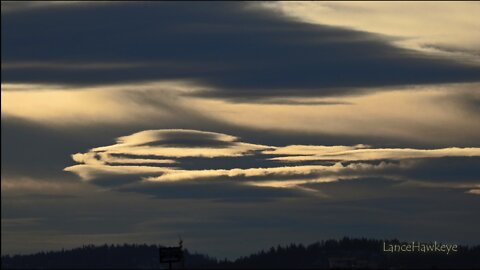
(344, 253)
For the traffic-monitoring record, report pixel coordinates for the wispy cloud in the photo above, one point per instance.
(448, 28)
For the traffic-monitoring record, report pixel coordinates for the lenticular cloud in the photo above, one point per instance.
(159, 156)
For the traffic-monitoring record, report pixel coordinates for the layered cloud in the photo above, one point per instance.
(161, 156)
(426, 116)
(69, 105)
(254, 52)
(309, 153)
(180, 143)
(430, 115)
(448, 28)
(294, 122)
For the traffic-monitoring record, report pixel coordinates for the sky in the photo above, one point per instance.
(238, 125)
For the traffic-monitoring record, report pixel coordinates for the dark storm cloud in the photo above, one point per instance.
(235, 48)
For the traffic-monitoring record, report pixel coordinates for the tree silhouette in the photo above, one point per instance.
(347, 252)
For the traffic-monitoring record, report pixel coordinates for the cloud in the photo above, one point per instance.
(448, 28)
(180, 143)
(158, 143)
(304, 153)
(122, 104)
(428, 116)
(157, 157)
(75, 76)
(8, 6)
(474, 191)
(254, 52)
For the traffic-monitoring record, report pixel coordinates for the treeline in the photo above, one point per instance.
(344, 253)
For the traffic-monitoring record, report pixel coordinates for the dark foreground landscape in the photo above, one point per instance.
(331, 254)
